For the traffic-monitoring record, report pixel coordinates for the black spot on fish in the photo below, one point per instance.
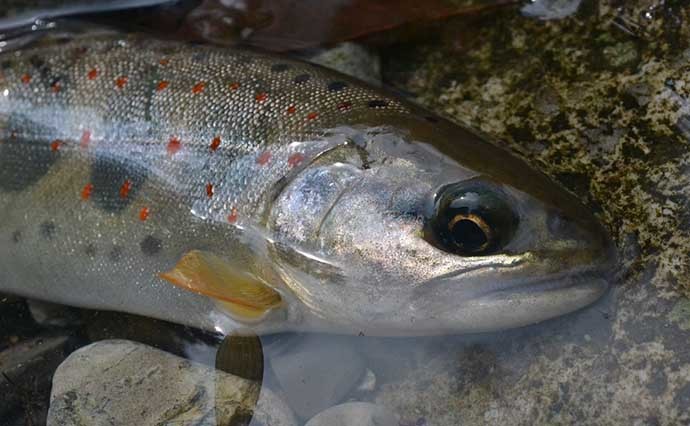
(36, 61)
(167, 50)
(41, 65)
(90, 250)
(109, 176)
(377, 103)
(47, 230)
(431, 119)
(302, 78)
(62, 40)
(244, 60)
(336, 86)
(16, 236)
(280, 67)
(115, 254)
(151, 245)
(23, 162)
(199, 56)
(80, 51)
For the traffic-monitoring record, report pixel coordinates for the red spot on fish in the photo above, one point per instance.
(232, 217)
(55, 145)
(215, 143)
(162, 85)
(144, 214)
(345, 106)
(295, 159)
(86, 191)
(209, 190)
(234, 86)
(199, 87)
(263, 158)
(121, 81)
(291, 109)
(55, 87)
(261, 96)
(92, 74)
(164, 61)
(125, 188)
(85, 139)
(26, 78)
(174, 145)
(312, 116)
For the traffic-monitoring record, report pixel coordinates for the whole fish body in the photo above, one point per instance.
(232, 191)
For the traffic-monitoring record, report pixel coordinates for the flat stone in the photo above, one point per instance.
(317, 372)
(119, 382)
(355, 414)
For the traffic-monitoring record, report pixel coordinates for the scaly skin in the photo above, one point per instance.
(119, 154)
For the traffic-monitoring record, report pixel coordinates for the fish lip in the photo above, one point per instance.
(524, 286)
(533, 302)
(558, 281)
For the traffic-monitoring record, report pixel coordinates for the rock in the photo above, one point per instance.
(368, 383)
(352, 59)
(15, 321)
(52, 314)
(551, 9)
(317, 372)
(354, 414)
(26, 370)
(120, 382)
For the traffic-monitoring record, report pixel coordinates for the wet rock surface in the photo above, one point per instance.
(599, 101)
(26, 371)
(126, 383)
(354, 414)
(317, 372)
(351, 59)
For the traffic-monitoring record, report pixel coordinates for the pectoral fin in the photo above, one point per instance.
(242, 294)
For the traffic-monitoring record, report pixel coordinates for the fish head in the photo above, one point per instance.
(397, 233)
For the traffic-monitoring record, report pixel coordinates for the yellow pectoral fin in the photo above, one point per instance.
(205, 273)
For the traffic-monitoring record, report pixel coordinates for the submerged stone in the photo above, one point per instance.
(317, 372)
(127, 383)
(355, 414)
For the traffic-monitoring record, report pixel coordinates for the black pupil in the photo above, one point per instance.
(469, 235)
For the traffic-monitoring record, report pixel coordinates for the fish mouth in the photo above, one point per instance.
(534, 301)
(514, 303)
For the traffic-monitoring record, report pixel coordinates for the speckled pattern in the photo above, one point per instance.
(120, 154)
(599, 101)
(119, 161)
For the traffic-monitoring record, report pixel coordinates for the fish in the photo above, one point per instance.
(247, 194)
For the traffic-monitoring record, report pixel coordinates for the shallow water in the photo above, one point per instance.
(599, 101)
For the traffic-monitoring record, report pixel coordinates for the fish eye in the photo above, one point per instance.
(470, 220)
